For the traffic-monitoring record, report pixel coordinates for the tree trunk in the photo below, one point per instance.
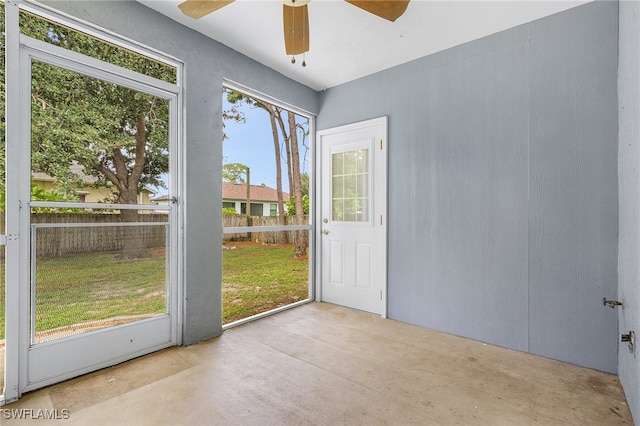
(133, 241)
(276, 147)
(301, 236)
(127, 183)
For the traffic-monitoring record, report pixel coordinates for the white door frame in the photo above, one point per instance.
(20, 52)
(379, 192)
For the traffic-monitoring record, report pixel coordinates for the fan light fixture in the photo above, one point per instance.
(295, 3)
(295, 20)
(295, 17)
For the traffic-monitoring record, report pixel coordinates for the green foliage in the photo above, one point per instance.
(114, 133)
(234, 172)
(234, 113)
(304, 183)
(228, 210)
(291, 205)
(95, 124)
(38, 193)
(68, 38)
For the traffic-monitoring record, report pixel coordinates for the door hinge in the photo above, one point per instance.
(380, 144)
(630, 339)
(380, 220)
(380, 294)
(610, 303)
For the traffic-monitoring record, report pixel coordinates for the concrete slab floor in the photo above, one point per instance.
(327, 365)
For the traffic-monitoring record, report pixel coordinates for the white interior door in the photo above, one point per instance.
(86, 299)
(353, 228)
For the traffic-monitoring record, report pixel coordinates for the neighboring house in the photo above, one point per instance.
(89, 192)
(264, 199)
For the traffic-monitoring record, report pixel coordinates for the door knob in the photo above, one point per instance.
(325, 231)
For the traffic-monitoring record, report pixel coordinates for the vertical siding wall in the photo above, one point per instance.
(503, 159)
(629, 163)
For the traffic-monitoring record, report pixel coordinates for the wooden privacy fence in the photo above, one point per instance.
(274, 237)
(66, 240)
(83, 234)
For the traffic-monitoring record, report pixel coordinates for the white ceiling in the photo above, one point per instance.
(347, 43)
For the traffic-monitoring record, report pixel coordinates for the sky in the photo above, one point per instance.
(251, 144)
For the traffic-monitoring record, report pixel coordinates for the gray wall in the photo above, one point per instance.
(629, 181)
(503, 163)
(206, 64)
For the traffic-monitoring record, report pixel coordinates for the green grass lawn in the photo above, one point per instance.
(257, 278)
(89, 287)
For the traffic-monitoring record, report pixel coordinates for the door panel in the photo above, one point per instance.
(353, 211)
(336, 265)
(364, 266)
(55, 361)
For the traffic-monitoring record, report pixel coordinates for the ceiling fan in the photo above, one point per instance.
(295, 17)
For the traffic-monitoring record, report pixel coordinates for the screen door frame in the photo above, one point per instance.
(35, 366)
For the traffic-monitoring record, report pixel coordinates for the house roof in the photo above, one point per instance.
(237, 191)
(75, 168)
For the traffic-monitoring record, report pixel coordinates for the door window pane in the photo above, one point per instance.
(350, 190)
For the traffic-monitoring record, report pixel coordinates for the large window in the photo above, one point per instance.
(266, 161)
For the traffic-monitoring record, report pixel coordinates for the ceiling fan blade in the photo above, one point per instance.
(387, 9)
(296, 29)
(196, 9)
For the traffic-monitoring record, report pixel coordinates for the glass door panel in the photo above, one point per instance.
(95, 142)
(103, 254)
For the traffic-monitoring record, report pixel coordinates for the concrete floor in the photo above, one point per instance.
(328, 365)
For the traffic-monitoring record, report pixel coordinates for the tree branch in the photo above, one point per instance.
(108, 174)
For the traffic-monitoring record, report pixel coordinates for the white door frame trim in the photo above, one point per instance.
(380, 186)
